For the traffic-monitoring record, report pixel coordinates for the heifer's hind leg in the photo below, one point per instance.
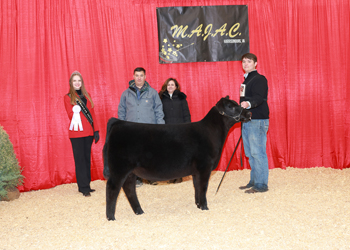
(112, 191)
(200, 182)
(196, 193)
(106, 173)
(130, 192)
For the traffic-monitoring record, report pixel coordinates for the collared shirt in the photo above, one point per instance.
(138, 93)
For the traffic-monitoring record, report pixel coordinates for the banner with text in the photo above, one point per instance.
(202, 33)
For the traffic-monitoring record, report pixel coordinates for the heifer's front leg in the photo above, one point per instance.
(112, 191)
(130, 192)
(200, 182)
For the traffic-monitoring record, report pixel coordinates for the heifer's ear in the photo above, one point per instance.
(227, 97)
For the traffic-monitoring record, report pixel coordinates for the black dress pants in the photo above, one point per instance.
(82, 158)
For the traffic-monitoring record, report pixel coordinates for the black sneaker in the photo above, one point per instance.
(152, 182)
(246, 186)
(138, 182)
(175, 181)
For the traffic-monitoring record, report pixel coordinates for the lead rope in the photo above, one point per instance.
(228, 164)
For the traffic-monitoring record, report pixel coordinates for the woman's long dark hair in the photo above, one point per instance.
(165, 85)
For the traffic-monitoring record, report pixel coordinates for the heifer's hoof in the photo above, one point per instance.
(112, 218)
(139, 211)
(203, 207)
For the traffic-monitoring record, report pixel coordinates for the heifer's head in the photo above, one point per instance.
(233, 110)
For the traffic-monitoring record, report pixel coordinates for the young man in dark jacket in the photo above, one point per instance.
(253, 96)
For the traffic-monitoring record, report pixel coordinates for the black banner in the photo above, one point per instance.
(202, 33)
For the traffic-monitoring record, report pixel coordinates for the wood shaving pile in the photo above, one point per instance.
(303, 209)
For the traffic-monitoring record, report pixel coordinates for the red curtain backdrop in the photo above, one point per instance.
(302, 49)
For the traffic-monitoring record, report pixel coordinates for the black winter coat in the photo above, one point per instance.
(176, 108)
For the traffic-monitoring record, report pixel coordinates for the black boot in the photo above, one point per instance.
(179, 180)
(152, 182)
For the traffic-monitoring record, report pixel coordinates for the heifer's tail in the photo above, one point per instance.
(106, 174)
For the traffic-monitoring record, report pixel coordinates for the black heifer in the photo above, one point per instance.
(164, 152)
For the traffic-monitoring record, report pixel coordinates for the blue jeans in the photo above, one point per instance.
(254, 141)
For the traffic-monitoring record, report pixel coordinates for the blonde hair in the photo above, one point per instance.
(73, 94)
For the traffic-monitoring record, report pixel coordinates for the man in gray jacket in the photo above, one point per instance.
(140, 103)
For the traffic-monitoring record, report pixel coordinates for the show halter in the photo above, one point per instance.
(237, 117)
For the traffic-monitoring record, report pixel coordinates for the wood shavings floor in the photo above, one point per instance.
(304, 209)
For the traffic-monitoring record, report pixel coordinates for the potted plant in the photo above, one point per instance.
(10, 171)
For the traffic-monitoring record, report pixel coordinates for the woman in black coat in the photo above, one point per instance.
(175, 106)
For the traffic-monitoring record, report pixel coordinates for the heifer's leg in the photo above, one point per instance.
(200, 182)
(130, 192)
(106, 173)
(112, 191)
(196, 192)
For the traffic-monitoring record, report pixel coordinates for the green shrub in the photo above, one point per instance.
(10, 171)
